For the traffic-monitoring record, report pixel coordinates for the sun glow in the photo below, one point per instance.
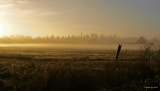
(1, 30)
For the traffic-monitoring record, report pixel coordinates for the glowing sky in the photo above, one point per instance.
(66, 17)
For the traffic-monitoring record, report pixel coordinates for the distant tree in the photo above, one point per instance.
(52, 37)
(154, 40)
(94, 36)
(102, 36)
(141, 40)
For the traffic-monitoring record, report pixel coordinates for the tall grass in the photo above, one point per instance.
(77, 76)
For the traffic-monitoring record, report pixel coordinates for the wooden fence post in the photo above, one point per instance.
(118, 51)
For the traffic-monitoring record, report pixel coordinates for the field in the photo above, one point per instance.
(72, 69)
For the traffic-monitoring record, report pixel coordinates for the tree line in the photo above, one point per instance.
(92, 38)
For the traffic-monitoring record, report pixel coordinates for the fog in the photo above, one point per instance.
(74, 46)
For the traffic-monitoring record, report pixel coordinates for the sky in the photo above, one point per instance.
(131, 18)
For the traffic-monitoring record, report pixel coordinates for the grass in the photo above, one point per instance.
(75, 76)
(90, 71)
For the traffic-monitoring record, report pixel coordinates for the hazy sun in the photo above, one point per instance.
(1, 30)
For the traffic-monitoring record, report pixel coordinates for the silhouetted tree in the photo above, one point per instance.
(141, 40)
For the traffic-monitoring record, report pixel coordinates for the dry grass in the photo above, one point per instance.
(75, 76)
(86, 72)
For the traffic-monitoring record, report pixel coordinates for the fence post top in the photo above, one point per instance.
(120, 44)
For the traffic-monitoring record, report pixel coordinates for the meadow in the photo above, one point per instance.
(72, 69)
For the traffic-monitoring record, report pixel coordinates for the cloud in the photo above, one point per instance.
(5, 1)
(24, 8)
(44, 13)
(8, 5)
(23, 2)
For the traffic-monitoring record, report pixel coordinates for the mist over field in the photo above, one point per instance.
(83, 41)
(92, 38)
